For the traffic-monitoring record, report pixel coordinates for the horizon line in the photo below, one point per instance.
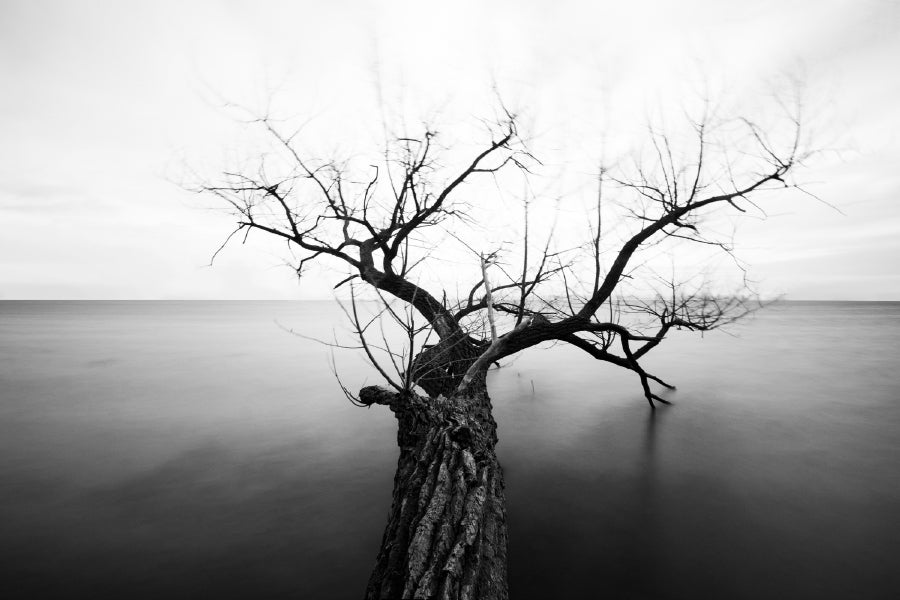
(770, 300)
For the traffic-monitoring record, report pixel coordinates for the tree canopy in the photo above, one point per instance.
(386, 221)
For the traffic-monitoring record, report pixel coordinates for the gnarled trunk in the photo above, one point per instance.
(446, 532)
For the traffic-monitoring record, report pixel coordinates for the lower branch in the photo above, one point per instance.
(630, 363)
(641, 373)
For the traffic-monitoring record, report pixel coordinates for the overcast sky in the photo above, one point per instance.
(103, 103)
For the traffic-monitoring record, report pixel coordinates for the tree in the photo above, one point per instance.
(446, 535)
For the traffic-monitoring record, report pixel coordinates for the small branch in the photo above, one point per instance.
(489, 355)
(489, 298)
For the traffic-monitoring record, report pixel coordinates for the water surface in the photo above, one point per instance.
(197, 449)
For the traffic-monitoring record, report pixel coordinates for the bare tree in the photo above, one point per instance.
(446, 534)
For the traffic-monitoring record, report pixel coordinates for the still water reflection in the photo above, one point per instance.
(186, 450)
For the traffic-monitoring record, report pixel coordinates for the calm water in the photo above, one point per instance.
(193, 450)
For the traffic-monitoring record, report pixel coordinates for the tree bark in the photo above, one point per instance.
(446, 531)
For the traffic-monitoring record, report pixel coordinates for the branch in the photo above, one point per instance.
(490, 355)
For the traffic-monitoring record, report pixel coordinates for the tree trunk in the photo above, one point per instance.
(446, 531)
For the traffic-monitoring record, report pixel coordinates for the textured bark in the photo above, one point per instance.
(439, 369)
(446, 531)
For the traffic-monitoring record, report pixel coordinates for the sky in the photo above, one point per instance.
(108, 107)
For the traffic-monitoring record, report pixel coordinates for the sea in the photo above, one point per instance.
(206, 450)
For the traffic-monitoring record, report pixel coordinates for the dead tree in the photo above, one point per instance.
(446, 535)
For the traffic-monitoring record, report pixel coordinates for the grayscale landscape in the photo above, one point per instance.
(467, 300)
